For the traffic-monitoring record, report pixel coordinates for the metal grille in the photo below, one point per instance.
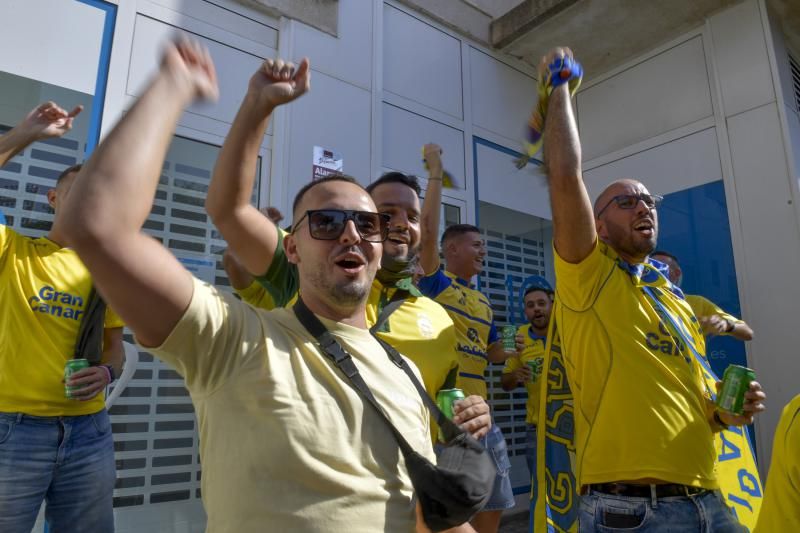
(794, 67)
(510, 261)
(154, 425)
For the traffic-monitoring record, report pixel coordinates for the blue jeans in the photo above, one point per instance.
(67, 462)
(704, 512)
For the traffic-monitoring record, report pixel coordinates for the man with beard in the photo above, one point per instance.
(644, 423)
(525, 368)
(477, 340)
(419, 328)
(713, 319)
(286, 442)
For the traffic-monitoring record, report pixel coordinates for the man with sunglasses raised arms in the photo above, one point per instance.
(419, 328)
(287, 444)
(644, 424)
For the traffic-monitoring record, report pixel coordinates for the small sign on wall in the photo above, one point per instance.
(326, 163)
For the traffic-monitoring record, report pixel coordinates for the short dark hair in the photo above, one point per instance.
(666, 254)
(534, 288)
(310, 185)
(457, 229)
(67, 171)
(408, 180)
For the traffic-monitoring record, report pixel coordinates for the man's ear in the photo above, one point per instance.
(290, 249)
(51, 198)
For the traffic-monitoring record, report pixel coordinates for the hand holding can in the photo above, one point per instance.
(510, 338)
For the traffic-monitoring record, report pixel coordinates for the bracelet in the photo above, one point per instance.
(731, 325)
(109, 372)
(718, 421)
(435, 179)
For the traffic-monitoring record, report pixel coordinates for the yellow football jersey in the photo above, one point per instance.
(780, 510)
(640, 398)
(474, 321)
(44, 289)
(533, 354)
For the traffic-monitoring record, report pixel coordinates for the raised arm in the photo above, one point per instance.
(574, 231)
(431, 211)
(45, 121)
(113, 194)
(251, 236)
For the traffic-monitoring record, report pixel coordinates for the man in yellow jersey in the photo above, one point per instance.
(477, 340)
(526, 367)
(419, 328)
(287, 443)
(780, 510)
(644, 424)
(53, 449)
(713, 319)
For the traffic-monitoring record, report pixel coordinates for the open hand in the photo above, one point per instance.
(190, 65)
(48, 120)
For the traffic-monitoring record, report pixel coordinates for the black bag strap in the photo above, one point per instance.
(89, 343)
(344, 362)
(396, 301)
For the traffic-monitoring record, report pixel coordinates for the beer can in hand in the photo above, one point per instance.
(735, 383)
(510, 339)
(73, 366)
(444, 400)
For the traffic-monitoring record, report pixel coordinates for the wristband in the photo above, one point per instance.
(718, 421)
(731, 325)
(110, 372)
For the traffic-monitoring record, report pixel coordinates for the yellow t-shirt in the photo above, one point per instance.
(640, 400)
(419, 329)
(533, 353)
(287, 444)
(474, 321)
(780, 510)
(704, 307)
(256, 295)
(44, 289)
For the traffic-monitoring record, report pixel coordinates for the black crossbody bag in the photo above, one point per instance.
(450, 492)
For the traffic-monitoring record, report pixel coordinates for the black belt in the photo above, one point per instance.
(663, 490)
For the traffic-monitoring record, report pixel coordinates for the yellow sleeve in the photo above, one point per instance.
(217, 335)
(578, 284)
(257, 295)
(112, 319)
(704, 307)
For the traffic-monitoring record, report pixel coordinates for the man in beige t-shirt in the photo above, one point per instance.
(286, 443)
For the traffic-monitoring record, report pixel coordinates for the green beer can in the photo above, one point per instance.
(735, 382)
(72, 366)
(536, 369)
(510, 338)
(445, 399)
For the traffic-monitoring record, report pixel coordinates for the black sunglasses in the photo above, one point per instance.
(630, 201)
(329, 224)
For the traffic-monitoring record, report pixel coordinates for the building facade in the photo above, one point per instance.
(710, 120)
